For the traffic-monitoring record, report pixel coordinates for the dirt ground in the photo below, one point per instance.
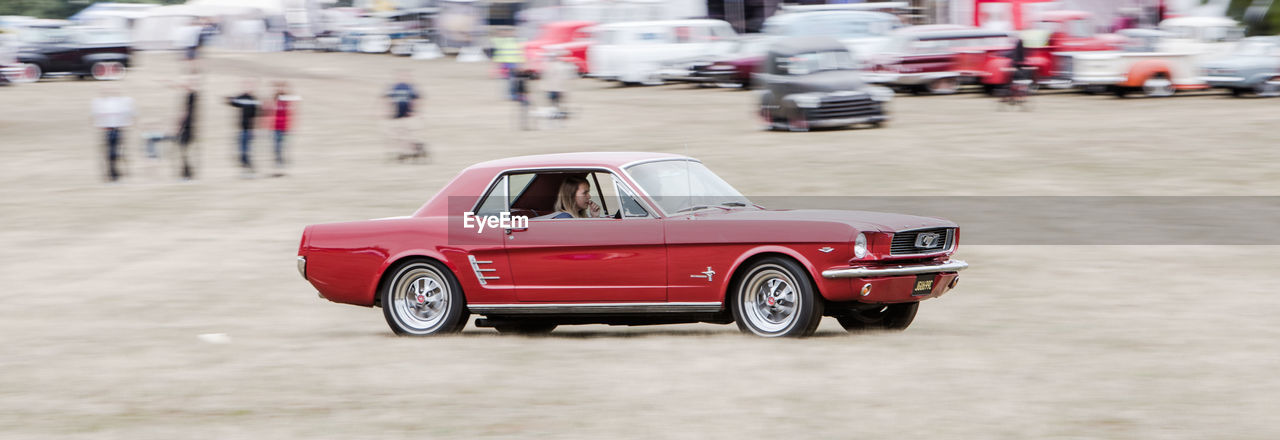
(108, 287)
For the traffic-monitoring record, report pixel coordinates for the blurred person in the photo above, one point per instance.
(403, 97)
(520, 89)
(187, 125)
(248, 106)
(574, 199)
(282, 111)
(509, 56)
(556, 74)
(112, 113)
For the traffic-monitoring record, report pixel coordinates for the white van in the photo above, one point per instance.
(634, 52)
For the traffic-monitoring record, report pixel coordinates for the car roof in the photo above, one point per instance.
(573, 160)
(798, 45)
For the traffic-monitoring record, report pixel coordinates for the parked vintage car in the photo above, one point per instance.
(570, 38)
(925, 59)
(1253, 66)
(1049, 32)
(814, 82)
(863, 32)
(103, 54)
(675, 244)
(634, 52)
(1206, 37)
(1142, 64)
(731, 69)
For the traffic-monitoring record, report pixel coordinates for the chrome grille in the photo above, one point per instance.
(845, 107)
(904, 243)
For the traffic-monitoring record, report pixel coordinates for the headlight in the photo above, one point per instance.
(881, 94)
(860, 246)
(807, 101)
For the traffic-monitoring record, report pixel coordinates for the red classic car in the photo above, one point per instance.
(570, 37)
(1053, 31)
(672, 243)
(926, 58)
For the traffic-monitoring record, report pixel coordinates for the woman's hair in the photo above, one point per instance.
(565, 200)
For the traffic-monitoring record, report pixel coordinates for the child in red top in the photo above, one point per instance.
(282, 109)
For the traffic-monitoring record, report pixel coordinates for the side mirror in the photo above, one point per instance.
(618, 215)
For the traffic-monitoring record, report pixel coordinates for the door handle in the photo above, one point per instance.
(510, 230)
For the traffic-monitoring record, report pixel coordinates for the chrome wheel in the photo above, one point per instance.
(422, 298)
(775, 298)
(1157, 87)
(770, 300)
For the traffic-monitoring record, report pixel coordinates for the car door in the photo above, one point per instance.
(478, 250)
(618, 258)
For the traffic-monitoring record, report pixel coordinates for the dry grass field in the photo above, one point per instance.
(107, 287)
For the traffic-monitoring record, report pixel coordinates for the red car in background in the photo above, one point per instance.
(671, 243)
(570, 37)
(927, 58)
(1051, 31)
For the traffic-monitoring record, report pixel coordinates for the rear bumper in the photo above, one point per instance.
(1224, 81)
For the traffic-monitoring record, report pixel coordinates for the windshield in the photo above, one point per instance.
(806, 63)
(840, 27)
(683, 185)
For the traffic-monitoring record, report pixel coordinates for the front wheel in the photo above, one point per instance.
(888, 317)
(775, 298)
(422, 298)
(942, 86)
(30, 73)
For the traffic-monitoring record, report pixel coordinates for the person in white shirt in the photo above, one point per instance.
(112, 113)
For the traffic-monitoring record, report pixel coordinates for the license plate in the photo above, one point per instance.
(924, 284)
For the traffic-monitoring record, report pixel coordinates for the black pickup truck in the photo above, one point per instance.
(102, 54)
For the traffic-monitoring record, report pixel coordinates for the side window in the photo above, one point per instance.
(495, 201)
(630, 205)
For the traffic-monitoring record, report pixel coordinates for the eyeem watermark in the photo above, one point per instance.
(503, 220)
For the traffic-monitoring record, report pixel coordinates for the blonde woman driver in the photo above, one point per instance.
(574, 200)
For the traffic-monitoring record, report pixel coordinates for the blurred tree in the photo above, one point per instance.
(1260, 17)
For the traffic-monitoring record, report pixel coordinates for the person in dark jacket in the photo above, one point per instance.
(248, 106)
(187, 127)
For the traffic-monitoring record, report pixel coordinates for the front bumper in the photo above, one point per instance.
(840, 122)
(870, 272)
(896, 284)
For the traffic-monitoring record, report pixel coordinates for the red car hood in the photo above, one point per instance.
(860, 220)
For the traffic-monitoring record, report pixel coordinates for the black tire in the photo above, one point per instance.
(775, 297)
(1120, 92)
(1237, 92)
(889, 317)
(525, 328)
(438, 306)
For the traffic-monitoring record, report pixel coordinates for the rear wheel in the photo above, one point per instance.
(1268, 88)
(942, 86)
(107, 70)
(1157, 87)
(887, 317)
(775, 298)
(422, 298)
